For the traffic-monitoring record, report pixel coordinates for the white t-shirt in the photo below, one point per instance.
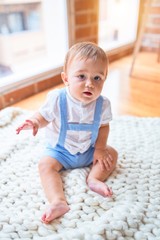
(78, 112)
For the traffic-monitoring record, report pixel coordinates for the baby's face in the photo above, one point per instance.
(85, 79)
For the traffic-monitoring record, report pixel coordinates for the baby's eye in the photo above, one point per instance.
(81, 76)
(97, 78)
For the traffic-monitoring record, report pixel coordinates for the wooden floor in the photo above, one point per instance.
(138, 95)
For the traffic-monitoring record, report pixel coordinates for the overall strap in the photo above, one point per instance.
(78, 126)
(97, 117)
(63, 113)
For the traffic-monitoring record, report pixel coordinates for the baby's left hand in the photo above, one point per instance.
(103, 157)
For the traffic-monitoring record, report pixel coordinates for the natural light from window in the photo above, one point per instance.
(33, 39)
(117, 22)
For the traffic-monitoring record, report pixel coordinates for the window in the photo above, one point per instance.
(33, 39)
(11, 22)
(117, 22)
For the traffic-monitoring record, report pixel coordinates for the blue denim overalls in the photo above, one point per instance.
(59, 152)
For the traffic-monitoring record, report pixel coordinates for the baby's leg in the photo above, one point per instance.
(51, 181)
(97, 176)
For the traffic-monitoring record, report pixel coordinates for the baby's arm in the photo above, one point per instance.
(35, 122)
(101, 153)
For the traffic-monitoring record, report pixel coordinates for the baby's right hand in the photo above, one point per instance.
(28, 125)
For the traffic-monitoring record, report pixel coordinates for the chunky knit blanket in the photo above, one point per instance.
(132, 213)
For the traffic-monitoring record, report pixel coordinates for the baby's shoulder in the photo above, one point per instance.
(106, 101)
(54, 94)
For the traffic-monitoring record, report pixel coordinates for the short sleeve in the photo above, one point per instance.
(49, 110)
(106, 111)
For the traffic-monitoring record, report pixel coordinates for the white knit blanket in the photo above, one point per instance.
(132, 213)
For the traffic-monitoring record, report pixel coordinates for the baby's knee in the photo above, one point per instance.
(46, 164)
(42, 166)
(114, 154)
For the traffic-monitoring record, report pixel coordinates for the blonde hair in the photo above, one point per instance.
(85, 50)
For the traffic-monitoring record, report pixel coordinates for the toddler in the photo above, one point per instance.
(77, 126)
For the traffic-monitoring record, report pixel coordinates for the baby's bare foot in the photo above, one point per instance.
(54, 211)
(100, 188)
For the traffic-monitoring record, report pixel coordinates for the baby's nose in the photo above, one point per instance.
(89, 83)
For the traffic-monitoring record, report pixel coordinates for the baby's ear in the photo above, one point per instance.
(64, 78)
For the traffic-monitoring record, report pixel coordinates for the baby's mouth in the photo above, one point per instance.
(87, 93)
